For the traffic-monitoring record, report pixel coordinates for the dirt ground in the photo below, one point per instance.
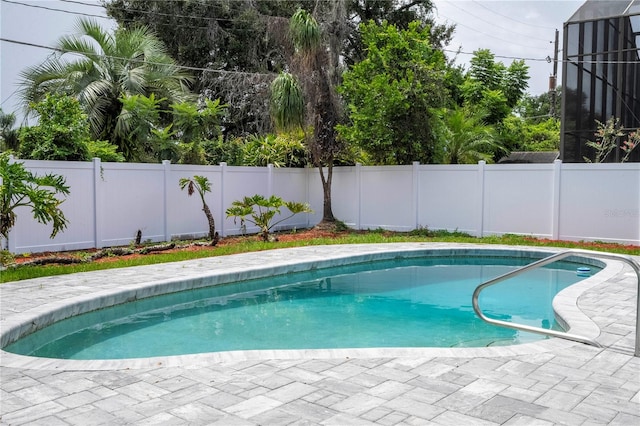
(305, 234)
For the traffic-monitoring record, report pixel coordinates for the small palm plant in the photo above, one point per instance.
(262, 210)
(202, 185)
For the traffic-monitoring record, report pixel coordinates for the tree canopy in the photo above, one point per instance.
(392, 94)
(99, 68)
(239, 46)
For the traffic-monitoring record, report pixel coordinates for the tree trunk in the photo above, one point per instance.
(212, 224)
(327, 211)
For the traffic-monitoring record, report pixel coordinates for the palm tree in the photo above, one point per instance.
(8, 135)
(466, 139)
(100, 68)
(310, 98)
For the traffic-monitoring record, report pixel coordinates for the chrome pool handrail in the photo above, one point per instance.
(550, 259)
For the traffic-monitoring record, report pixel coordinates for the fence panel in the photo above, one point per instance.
(344, 195)
(600, 202)
(79, 208)
(518, 199)
(449, 203)
(240, 182)
(185, 216)
(292, 185)
(130, 197)
(110, 202)
(387, 198)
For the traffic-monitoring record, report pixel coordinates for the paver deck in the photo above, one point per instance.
(549, 382)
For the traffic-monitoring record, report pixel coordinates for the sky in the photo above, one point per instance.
(511, 29)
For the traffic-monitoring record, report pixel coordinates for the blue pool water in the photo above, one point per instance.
(416, 302)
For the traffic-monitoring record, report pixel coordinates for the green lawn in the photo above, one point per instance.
(242, 245)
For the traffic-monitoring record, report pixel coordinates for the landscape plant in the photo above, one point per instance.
(99, 68)
(260, 211)
(606, 141)
(202, 185)
(62, 132)
(21, 188)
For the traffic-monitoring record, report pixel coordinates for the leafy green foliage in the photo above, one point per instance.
(281, 150)
(100, 69)
(105, 151)
(192, 123)
(138, 117)
(492, 88)
(518, 134)
(287, 102)
(8, 135)
(393, 93)
(466, 139)
(260, 211)
(304, 30)
(62, 132)
(21, 188)
(229, 151)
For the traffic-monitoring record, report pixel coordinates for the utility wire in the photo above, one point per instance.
(493, 36)
(41, 46)
(493, 24)
(185, 67)
(499, 56)
(511, 18)
(55, 10)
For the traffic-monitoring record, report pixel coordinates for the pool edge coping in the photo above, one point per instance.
(565, 304)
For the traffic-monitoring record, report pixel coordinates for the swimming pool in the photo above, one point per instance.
(484, 267)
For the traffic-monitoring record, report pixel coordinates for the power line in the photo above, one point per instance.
(494, 24)
(54, 9)
(511, 18)
(162, 24)
(56, 49)
(491, 35)
(499, 56)
(185, 67)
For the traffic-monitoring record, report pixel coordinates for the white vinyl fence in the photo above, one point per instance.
(110, 202)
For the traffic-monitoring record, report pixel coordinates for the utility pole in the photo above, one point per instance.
(553, 80)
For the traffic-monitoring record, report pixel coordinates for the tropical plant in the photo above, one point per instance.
(202, 185)
(100, 68)
(315, 66)
(21, 188)
(8, 135)
(260, 211)
(466, 139)
(62, 132)
(278, 150)
(138, 117)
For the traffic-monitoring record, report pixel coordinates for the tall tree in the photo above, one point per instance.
(316, 68)
(493, 88)
(392, 95)
(240, 45)
(99, 68)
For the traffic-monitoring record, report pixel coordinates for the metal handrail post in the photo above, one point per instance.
(547, 260)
